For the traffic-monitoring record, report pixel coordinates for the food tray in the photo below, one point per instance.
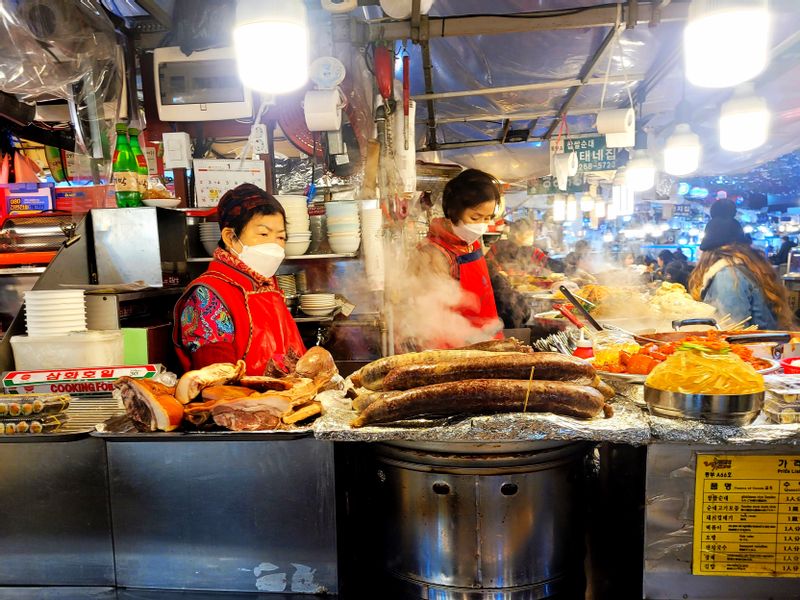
(781, 412)
(33, 424)
(82, 416)
(19, 406)
(121, 429)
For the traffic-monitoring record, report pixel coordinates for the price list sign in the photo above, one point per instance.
(747, 516)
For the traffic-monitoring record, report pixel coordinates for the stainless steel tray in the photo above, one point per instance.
(720, 409)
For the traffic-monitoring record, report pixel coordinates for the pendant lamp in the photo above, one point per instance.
(559, 209)
(743, 121)
(726, 42)
(270, 38)
(682, 151)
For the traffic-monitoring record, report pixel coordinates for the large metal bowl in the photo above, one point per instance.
(719, 409)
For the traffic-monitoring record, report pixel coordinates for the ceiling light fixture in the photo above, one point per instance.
(270, 38)
(682, 151)
(744, 121)
(726, 42)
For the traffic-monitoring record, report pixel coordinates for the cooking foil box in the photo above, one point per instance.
(79, 382)
(627, 426)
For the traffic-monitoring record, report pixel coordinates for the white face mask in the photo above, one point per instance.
(264, 259)
(470, 233)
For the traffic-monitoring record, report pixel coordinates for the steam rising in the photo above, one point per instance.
(424, 302)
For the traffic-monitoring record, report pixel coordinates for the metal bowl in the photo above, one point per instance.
(719, 409)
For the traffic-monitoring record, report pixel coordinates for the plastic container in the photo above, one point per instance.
(791, 366)
(69, 351)
(584, 347)
(780, 412)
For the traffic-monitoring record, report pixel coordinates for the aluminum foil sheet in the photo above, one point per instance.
(760, 431)
(627, 426)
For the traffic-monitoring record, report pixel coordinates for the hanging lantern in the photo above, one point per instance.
(682, 151)
(743, 121)
(559, 209)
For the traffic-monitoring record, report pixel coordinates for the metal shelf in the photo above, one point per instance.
(307, 319)
(22, 270)
(321, 256)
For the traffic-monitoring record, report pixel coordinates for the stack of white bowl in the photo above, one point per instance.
(318, 305)
(344, 227)
(298, 233)
(372, 246)
(209, 236)
(54, 312)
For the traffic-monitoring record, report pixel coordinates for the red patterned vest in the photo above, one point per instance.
(263, 327)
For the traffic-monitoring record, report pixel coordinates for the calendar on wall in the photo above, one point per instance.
(212, 178)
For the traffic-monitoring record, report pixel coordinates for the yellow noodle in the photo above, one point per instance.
(692, 372)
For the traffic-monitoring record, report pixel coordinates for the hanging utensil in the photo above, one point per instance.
(406, 98)
(571, 297)
(567, 313)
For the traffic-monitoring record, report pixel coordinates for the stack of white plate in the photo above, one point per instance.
(54, 312)
(344, 226)
(287, 285)
(318, 305)
(209, 236)
(298, 231)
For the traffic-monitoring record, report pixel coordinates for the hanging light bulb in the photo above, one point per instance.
(572, 208)
(559, 209)
(640, 172)
(270, 38)
(587, 203)
(743, 121)
(710, 60)
(600, 208)
(682, 151)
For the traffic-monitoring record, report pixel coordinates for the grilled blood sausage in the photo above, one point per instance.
(505, 345)
(548, 366)
(371, 376)
(482, 396)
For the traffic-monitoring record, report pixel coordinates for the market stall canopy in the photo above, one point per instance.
(554, 63)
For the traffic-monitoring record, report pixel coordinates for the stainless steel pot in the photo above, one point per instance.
(719, 409)
(479, 521)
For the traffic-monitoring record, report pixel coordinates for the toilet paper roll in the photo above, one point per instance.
(323, 110)
(566, 163)
(622, 120)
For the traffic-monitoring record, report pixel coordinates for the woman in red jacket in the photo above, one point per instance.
(454, 244)
(235, 310)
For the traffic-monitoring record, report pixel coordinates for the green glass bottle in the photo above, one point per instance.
(126, 184)
(141, 162)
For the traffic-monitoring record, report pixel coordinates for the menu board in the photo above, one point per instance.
(747, 515)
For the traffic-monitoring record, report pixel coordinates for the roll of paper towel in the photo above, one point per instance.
(621, 120)
(323, 110)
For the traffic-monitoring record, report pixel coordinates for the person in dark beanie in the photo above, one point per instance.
(735, 278)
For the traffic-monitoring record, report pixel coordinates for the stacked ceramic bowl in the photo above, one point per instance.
(298, 234)
(54, 312)
(209, 236)
(318, 305)
(287, 284)
(344, 227)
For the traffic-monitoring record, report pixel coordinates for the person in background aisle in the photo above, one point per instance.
(235, 310)
(736, 279)
(782, 257)
(664, 258)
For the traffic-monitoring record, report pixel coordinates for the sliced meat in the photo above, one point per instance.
(194, 382)
(225, 392)
(316, 364)
(150, 405)
(253, 413)
(263, 383)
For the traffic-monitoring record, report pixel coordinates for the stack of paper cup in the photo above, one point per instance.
(54, 312)
(372, 246)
